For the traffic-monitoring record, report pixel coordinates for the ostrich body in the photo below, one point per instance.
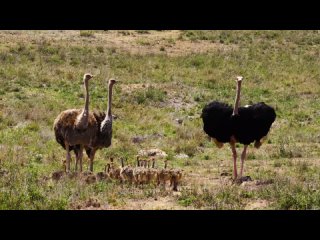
(244, 125)
(75, 127)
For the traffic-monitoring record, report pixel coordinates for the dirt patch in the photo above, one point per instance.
(90, 204)
(163, 203)
(201, 179)
(155, 42)
(140, 139)
(256, 184)
(179, 103)
(129, 88)
(173, 91)
(257, 204)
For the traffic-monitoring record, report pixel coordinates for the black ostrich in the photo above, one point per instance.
(242, 124)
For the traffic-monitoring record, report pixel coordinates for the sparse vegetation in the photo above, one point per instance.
(85, 33)
(41, 75)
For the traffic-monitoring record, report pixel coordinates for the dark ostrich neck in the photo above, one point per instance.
(237, 100)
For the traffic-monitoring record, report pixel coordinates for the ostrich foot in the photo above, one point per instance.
(242, 179)
(246, 179)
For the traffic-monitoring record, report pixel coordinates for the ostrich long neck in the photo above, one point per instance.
(237, 100)
(109, 101)
(86, 105)
(106, 124)
(83, 118)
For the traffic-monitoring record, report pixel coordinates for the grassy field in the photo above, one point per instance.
(165, 75)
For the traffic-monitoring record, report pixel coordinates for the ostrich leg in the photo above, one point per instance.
(79, 156)
(234, 153)
(68, 157)
(243, 157)
(76, 152)
(92, 153)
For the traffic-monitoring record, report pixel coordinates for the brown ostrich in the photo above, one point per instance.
(71, 127)
(103, 135)
(96, 135)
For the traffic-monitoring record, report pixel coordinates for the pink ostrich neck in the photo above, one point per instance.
(237, 100)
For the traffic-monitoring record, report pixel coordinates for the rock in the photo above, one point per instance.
(181, 156)
(152, 152)
(179, 120)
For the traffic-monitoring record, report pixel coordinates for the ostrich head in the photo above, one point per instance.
(112, 81)
(239, 79)
(87, 76)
